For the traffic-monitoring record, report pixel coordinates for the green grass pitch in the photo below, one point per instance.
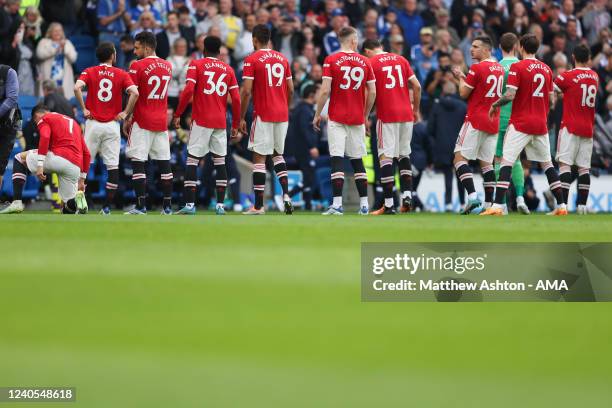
(242, 311)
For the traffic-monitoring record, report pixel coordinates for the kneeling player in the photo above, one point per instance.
(211, 80)
(395, 116)
(575, 140)
(61, 150)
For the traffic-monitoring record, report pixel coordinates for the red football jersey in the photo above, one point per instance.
(105, 87)
(579, 87)
(62, 135)
(270, 72)
(392, 73)
(349, 72)
(213, 80)
(152, 76)
(533, 80)
(486, 78)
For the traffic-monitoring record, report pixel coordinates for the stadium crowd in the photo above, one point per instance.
(49, 41)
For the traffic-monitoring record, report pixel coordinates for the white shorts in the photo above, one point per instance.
(475, 144)
(103, 138)
(67, 173)
(394, 138)
(537, 147)
(346, 139)
(267, 137)
(574, 150)
(144, 144)
(203, 140)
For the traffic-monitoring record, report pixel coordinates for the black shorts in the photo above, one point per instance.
(7, 140)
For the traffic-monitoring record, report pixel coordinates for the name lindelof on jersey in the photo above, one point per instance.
(537, 65)
(355, 58)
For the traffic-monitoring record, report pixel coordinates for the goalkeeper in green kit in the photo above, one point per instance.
(508, 43)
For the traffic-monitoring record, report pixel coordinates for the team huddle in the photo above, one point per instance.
(508, 104)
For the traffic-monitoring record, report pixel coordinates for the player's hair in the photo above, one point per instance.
(147, 39)
(346, 33)
(371, 44)
(172, 12)
(308, 91)
(105, 51)
(212, 46)
(40, 108)
(582, 54)
(486, 40)
(530, 43)
(507, 41)
(261, 33)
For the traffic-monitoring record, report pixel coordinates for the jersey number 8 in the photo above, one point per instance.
(105, 93)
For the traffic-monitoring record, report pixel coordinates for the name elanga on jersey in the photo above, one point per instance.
(215, 64)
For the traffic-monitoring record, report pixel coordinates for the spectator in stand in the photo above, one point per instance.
(567, 14)
(25, 71)
(310, 52)
(553, 24)
(244, 45)
(200, 10)
(55, 100)
(198, 53)
(330, 41)
(473, 31)
(11, 33)
(113, 20)
(126, 47)
(169, 35)
(458, 60)
(444, 41)
(33, 22)
(601, 47)
(411, 22)
(559, 64)
(573, 36)
(442, 23)
(445, 120)
(429, 13)
(397, 45)
(288, 40)
(559, 44)
(141, 7)
(424, 55)
(518, 23)
(188, 30)
(438, 77)
(212, 19)
(146, 22)
(537, 30)
(595, 18)
(263, 17)
(234, 24)
(605, 81)
(56, 54)
(180, 62)
(370, 33)
(60, 11)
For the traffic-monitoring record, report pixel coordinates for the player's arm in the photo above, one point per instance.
(370, 98)
(44, 131)
(465, 90)
(236, 109)
(416, 97)
(505, 99)
(184, 100)
(85, 163)
(78, 93)
(325, 92)
(129, 108)
(245, 97)
(290, 91)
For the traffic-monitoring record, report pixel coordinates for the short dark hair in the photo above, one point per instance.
(212, 45)
(443, 54)
(486, 40)
(39, 109)
(346, 32)
(507, 41)
(308, 91)
(105, 51)
(147, 39)
(183, 10)
(126, 38)
(371, 44)
(530, 43)
(560, 34)
(261, 33)
(171, 12)
(582, 53)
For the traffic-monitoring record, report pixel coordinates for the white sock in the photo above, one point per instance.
(286, 197)
(363, 201)
(486, 205)
(337, 203)
(562, 206)
(520, 200)
(389, 202)
(500, 206)
(406, 194)
(472, 196)
(220, 205)
(17, 201)
(189, 205)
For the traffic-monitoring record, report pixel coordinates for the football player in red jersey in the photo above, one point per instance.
(148, 128)
(396, 115)
(105, 85)
(530, 89)
(209, 82)
(61, 150)
(478, 136)
(267, 76)
(575, 140)
(346, 75)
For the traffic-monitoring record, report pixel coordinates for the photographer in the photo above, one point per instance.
(9, 114)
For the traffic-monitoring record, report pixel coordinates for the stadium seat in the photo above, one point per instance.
(86, 49)
(26, 103)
